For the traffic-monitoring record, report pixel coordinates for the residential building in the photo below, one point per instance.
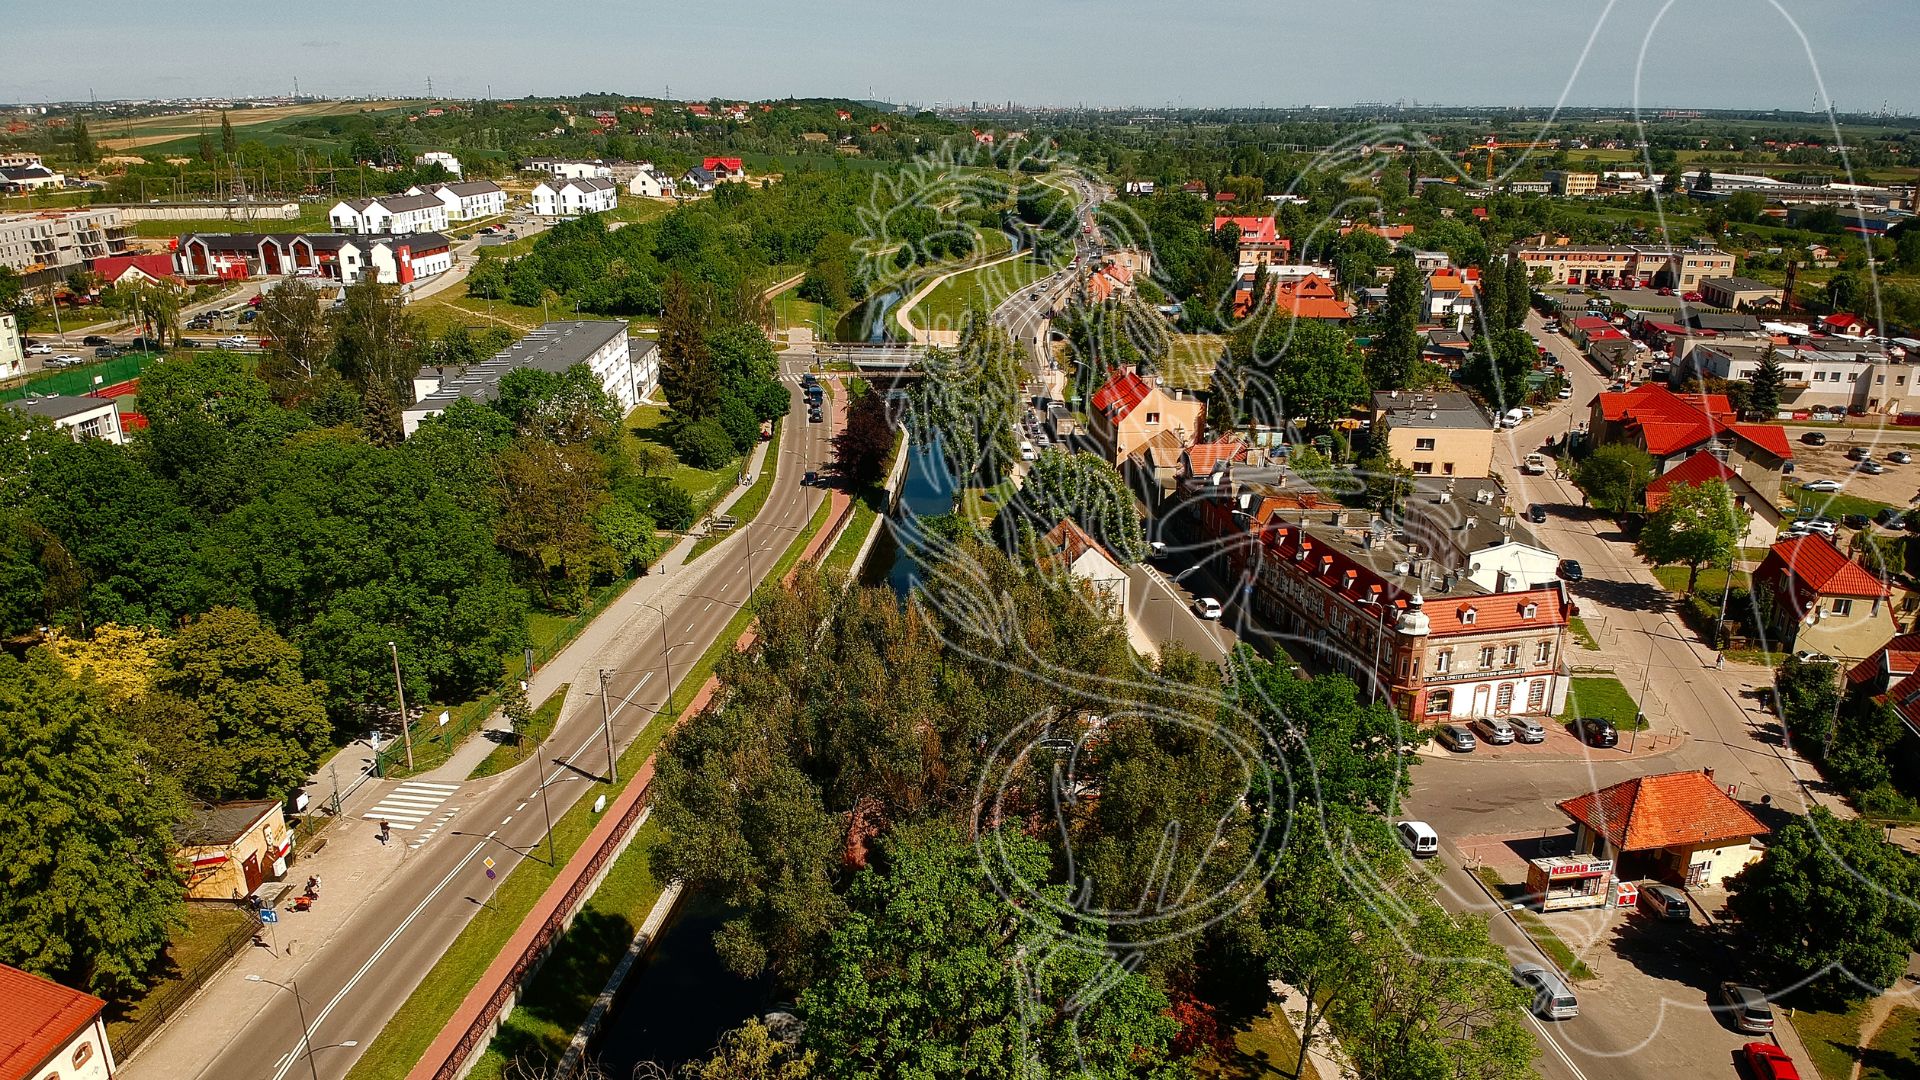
(408, 213)
(13, 354)
(698, 181)
(1260, 239)
(467, 201)
(1131, 408)
(1067, 548)
(1737, 292)
(1815, 599)
(81, 416)
(1825, 374)
(1436, 434)
(1641, 264)
(1891, 674)
(30, 178)
(441, 158)
(649, 183)
(1563, 182)
(568, 169)
(60, 239)
(1450, 295)
(51, 1032)
(394, 260)
(227, 851)
(1310, 296)
(725, 170)
(18, 159)
(573, 198)
(601, 345)
(1764, 519)
(1670, 427)
(1679, 827)
(114, 270)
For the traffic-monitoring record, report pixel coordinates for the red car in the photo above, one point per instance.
(1691, 298)
(1769, 1062)
(1664, 291)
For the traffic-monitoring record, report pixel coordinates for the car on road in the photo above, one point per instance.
(1027, 452)
(106, 352)
(94, 339)
(814, 417)
(1495, 730)
(1595, 731)
(1691, 297)
(1814, 438)
(1887, 518)
(1565, 393)
(1527, 729)
(1206, 607)
(1821, 485)
(1537, 514)
(39, 348)
(64, 360)
(1418, 838)
(1570, 570)
(237, 341)
(1534, 465)
(1456, 737)
(1665, 291)
(1768, 1062)
(1552, 999)
(1745, 1007)
(810, 479)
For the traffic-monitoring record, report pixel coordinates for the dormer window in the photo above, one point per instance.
(1468, 616)
(1528, 611)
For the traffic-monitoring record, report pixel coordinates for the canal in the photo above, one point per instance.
(676, 1007)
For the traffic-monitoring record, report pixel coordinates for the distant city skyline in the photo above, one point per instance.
(1736, 54)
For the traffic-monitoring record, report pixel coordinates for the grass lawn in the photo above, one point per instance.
(509, 754)
(989, 285)
(866, 512)
(1536, 927)
(1894, 1053)
(1710, 584)
(1834, 504)
(638, 209)
(648, 423)
(1190, 359)
(558, 999)
(1578, 626)
(790, 310)
(1832, 1038)
(313, 218)
(1267, 1047)
(202, 940)
(442, 311)
(748, 505)
(1603, 697)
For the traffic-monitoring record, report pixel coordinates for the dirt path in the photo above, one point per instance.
(1877, 1013)
(905, 307)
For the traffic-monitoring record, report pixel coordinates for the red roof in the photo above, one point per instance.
(1253, 230)
(109, 268)
(1814, 568)
(1122, 394)
(1590, 322)
(1650, 813)
(1669, 423)
(1202, 457)
(1768, 437)
(731, 164)
(41, 1017)
(1897, 659)
(1069, 541)
(1496, 611)
(1693, 472)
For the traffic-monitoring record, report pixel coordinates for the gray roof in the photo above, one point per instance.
(468, 188)
(59, 408)
(398, 204)
(27, 172)
(1712, 320)
(586, 183)
(217, 826)
(1444, 409)
(1739, 284)
(555, 347)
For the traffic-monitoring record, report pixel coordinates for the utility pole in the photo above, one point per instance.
(399, 691)
(606, 729)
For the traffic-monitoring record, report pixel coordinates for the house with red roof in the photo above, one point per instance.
(1815, 599)
(113, 270)
(49, 1032)
(1310, 297)
(725, 168)
(1679, 827)
(1892, 676)
(1845, 323)
(1260, 239)
(1390, 233)
(1764, 519)
(1132, 408)
(1069, 549)
(1671, 427)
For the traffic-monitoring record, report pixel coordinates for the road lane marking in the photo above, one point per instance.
(506, 820)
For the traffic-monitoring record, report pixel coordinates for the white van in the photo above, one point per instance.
(1419, 838)
(1027, 452)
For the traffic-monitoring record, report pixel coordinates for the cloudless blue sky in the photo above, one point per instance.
(1705, 53)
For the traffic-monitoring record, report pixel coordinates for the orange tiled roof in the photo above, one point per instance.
(1897, 659)
(1253, 230)
(1677, 809)
(1812, 566)
(1202, 457)
(41, 1017)
(1069, 541)
(1122, 394)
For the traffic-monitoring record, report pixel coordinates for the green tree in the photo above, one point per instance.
(83, 151)
(549, 498)
(515, 708)
(570, 408)
(1396, 347)
(752, 1052)
(1303, 370)
(970, 398)
(688, 375)
(1764, 387)
(376, 342)
(634, 538)
(229, 145)
(703, 444)
(1831, 903)
(294, 318)
(86, 834)
(1519, 295)
(230, 711)
(1085, 489)
(935, 972)
(1699, 524)
(1614, 477)
(1497, 368)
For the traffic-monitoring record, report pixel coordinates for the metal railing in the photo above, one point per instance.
(167, 1001)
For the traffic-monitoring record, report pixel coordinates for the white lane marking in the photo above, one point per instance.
(507, 819)
(522, 806)
(1558, 1050)
(445, 788)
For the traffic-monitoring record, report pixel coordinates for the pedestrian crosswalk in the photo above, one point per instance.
(410, 803)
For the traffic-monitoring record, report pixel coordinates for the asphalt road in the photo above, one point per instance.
(354, 983)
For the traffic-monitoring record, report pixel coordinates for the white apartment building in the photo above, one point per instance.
(60, 238)
(13, 356)
(389, 214)
(1865, 380)
(80, 416)
(441, 158)
(568, 169)
(601, 344)
(467, 201)
(395, 260)
(572, 198)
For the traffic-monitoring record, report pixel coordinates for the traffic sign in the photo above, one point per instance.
(268, 915)
(488, 862)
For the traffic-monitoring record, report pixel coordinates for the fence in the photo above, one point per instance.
(166, 1001)
(79, 380)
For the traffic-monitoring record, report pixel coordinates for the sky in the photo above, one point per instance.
(1855, 54)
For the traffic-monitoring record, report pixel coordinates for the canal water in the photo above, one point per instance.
(927, 490)
(868, 323)
(676, 1007)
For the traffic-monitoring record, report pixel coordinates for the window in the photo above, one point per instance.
(1153, 418)
(1423, 444)
(1543, 652)
(1468, 616)
(1440, 703)
(1486, 657)
(82, 1054)
(1528, 611)
(1842, 606)
(1819, 376)
(1443, 661)
(1537, 694)
(1513, 655)
(1447, 467)
(1425, 468)
(1503, 698)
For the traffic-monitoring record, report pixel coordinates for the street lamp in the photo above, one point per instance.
(306, 1034)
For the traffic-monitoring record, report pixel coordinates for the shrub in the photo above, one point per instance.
(703, 444)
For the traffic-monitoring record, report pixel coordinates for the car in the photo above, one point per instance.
(1768, 1062)
(187, 343)
(39, 348)
(1537, 514)
(1027, 452)
(1495, 730)
(1691, 297)
(1858, 453)
(1418, 838)
(1900, 457)
(1576, 291)
(1745, 1007)
(1888, 518)
(1821, 485)
(237, 341)
(1526, 729)
(1595, 731)
(256, 300)
(106, 352)
(249, 315)
(64, 360)
(1665, 291)
(1033, 296)
(1534, 465)
(1570, 570)
(1206, 607)
(1814, 438)
(1456, 737)
(814, 417)
(94, 339)
(1823, 526)
(1664, 902)
(1856, 521)
(1871, 468)
(810, 479)
(1565, 393)
(1552, 1000)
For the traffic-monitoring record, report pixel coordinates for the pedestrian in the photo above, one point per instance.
(1719, 661)
(386, 831)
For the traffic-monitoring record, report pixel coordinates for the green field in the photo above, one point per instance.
(1601, 697)
(313, 218)
(943, 308)
(647, 423)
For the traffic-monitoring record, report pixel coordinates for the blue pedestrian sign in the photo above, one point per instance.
(268, 915)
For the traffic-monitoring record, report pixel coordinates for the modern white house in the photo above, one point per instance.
(467, 201)
(649, 183)
(572, 198)
(13, 356)
(601, 344)
(80, 416)
(394, 260)
(389, 214)
(441, 158)
(569, 169)
(30, 178)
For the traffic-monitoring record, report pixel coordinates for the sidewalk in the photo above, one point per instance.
(1324, 1054)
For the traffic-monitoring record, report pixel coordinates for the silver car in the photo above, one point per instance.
(1495, 730)
(1552, 999)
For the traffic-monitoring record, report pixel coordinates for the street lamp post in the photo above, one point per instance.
(400, 691)
(606, 729)
(306, 1034)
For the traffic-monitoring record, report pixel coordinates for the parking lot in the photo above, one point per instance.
(1896, 486)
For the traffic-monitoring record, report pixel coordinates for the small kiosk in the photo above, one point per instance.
(1562, 882)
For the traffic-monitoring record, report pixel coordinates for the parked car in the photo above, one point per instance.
(1495, 730)
(1537, 514)
(1745, 1008)
(1456, 737)
(1871, 468)
(106, 352)
(1820, 485)
(1824, 526)
(1887, 518)
(1664, 902)
(1691, 297)
(1596, 732)
(39, 348)
(1527, 729)
(1552, 1000)
(64, 360)
(1665, 291)
(1855, 521)
(1206, 607)
(1418, 838)
(1565, 393)
(1858, 453)
(249, 315)
(1814, 438)
(94, 339)
(1570, 570)
(1900, 457)
(1768, 1062)
(1027, 452)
